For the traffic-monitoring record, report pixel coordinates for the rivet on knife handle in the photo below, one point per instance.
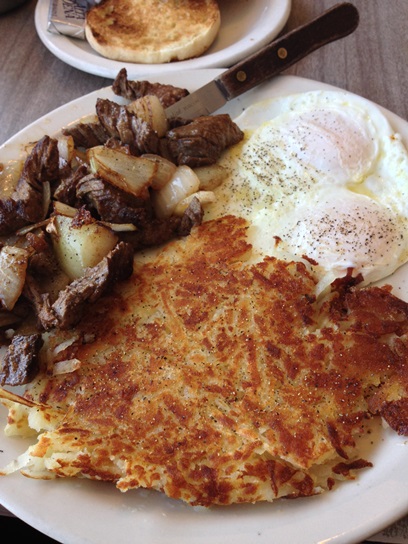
(333, 24)
(270, 61)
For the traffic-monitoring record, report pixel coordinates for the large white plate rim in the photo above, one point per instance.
(80, 512)
(273, 16)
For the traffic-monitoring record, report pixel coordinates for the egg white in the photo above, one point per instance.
(321, 176)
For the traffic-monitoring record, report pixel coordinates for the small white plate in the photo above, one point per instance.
(75, 511)
(246, 26)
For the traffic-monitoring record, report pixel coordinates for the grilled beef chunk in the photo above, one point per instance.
(192, 216)
(158, 231)
(125, 126)
(110, 203)
(113, 143)
(132, 90)
(21, 363)
(66, 190)
(202, 141)
(42, 164)
(26, 203)
(10, 220)
(43, 261)
(87, 134)
(68, 308)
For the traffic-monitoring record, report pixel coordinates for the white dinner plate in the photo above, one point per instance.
(88, 512)
(246, 26)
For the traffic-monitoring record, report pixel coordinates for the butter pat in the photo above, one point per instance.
(68, 17)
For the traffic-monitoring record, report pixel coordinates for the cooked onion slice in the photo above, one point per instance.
(13, 267)
(165, 170)
(64, 345)
(183, 183)
(63, 209)
(210, 176)
(65, 367)
(119, 227)
(46, 198)
(205, 197)
(29, 228)
(66, 148)
(131, 174)
(150, 109)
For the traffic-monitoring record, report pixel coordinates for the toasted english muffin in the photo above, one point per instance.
(152, 31)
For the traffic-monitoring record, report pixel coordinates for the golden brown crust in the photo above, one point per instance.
(217, 381)
(152, 31)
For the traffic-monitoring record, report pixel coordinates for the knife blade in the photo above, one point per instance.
(333, 24)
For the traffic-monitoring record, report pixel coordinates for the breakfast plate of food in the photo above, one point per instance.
(244, 28)
(239, 365)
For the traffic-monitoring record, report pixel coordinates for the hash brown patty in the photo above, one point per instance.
(218, 381)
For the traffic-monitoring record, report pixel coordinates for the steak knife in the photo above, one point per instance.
(337, 22)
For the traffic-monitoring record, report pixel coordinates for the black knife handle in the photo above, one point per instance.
(271, 60)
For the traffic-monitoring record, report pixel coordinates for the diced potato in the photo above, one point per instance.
(79, 247)
(210, 176)
(131, 174)
(150, 109)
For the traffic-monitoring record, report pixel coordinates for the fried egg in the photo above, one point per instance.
(321, 176)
